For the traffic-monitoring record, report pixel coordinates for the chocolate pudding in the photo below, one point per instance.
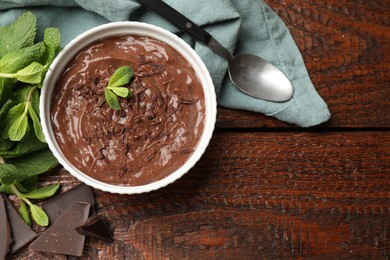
(155, 131)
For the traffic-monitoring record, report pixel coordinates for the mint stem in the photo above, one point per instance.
(20, 195)
(29, 97)
(31, 92)
(7, 75)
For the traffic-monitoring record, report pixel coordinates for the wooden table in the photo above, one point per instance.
(268, 190)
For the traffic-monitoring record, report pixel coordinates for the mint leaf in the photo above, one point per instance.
(29, 184)
(37, 125)
(39, 215)
(13, 113)
(6, 144)
(6, 87)
(29, 144)
(120, 77)
(18, 128)
(52, 39)
(10, 175)
(23, 212)
(122, 92)
(23, 152)
(21, 93)
(20, 58)
(36, 163)
(34, 100)
(32, 74)
(112, 100)
(43, 193)
(19, 34)
(4, 109)
(6, 189)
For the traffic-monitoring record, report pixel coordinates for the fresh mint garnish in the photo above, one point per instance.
(23, 150)
(121, 76)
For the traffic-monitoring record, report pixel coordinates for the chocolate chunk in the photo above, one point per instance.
(21, 233)
(5, 230)
(62, 237)
(96, 227)
(60, 203)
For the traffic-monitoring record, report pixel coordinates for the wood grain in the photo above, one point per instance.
(346, 48)
(268, 190)
(259, 195)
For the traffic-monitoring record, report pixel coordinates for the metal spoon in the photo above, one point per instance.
(249, 73)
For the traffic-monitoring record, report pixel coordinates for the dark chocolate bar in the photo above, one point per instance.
(57, 205)
(22, 234)
(5, 230)
(62, 237)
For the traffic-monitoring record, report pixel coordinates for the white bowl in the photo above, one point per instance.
(119, 29)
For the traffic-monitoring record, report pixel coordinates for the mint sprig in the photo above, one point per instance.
(23, 150)
(121, 77)
(11, 176)
(19, 34)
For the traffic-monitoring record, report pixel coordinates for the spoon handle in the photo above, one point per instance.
(179, 20)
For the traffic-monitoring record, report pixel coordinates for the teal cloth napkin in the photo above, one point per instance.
(243, 26)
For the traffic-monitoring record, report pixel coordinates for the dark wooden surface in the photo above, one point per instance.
(268, 190)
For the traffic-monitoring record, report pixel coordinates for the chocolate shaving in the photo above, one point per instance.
(184, 150)
(156, 122)
(101, 102)
(150, 116)
(154, 98)
(167, 82)
(146, 70)
(122, 113)
(142, 60)
(157, 68)
(150, 157)
(121, 173)
(186, 101)
(123, 138)
(101, 154)
(95, 79)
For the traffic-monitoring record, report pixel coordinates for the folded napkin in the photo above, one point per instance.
(243, 26)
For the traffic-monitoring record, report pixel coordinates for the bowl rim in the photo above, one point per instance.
(117, 29)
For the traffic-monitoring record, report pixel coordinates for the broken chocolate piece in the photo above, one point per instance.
(57, 205)
(5, 230)
(22, 234)
(96, 227)
(62, 237)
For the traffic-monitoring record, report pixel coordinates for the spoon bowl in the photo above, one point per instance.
(258, 78)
